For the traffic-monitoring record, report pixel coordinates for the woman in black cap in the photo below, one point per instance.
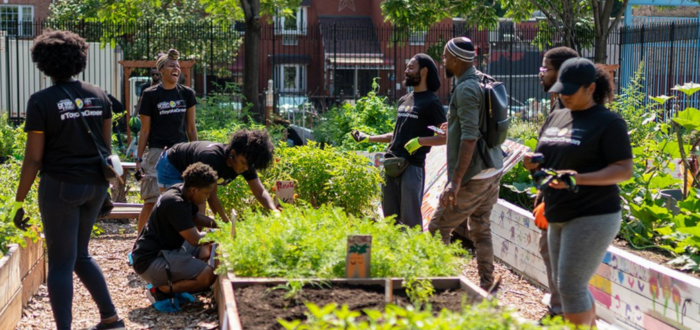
(411, 140)
(589, 143)
(73, 187)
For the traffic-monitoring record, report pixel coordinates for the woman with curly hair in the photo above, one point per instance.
(72, 187)
(167, 116)
(247, 152)
(589, 143)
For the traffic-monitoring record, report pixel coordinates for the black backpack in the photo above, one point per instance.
(494, 120)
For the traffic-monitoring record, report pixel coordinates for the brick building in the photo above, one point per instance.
(17, 16)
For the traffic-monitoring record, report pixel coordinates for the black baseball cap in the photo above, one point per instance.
(574, 73)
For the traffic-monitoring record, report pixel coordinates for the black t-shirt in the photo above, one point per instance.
(213, 154)
(584, 141)
(171, 215)
(69, 151)
(416, 111)
(167, 109)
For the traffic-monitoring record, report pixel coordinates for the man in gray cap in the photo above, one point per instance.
(411, 141)
(473, 169)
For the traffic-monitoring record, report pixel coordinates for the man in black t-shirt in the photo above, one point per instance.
(167, 117)
(168, 249)
(551, 62)
(411, 140)
(248, 151)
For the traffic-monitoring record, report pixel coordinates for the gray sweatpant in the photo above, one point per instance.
(403, 196)
(576, 248)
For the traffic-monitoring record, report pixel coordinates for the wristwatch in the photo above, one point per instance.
(138, 159)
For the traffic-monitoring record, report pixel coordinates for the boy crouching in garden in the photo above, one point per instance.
(167, 253)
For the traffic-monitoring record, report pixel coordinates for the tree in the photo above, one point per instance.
(222, 13)
(253, 11)
(569, 16)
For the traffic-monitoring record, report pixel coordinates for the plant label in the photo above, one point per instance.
(234, 215)
(358, 256)
(284, 192)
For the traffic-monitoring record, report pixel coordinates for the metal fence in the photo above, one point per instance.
(669, 54)
(308, 68)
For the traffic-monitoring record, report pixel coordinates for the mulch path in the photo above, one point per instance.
(128, 293)
(127, 289)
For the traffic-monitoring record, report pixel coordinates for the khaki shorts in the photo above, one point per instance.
(149, 184)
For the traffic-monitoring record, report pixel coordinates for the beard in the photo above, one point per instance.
(449, 73)
(412, 80)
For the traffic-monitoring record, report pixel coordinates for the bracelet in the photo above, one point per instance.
(138, 159)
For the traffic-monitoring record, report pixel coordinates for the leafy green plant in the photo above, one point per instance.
(520, 190)
(9, 234)
(486, 315)
(321, 176)
(307, 242)
(371, 114)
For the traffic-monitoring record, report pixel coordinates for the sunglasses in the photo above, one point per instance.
(544, 69)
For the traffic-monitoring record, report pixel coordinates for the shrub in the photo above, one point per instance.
(321, 176)
(371, 114)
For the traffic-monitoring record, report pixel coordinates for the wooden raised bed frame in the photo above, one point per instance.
(22, 271)
(228, 311)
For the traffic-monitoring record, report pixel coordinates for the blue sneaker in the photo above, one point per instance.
(184, 297)
(131, 260)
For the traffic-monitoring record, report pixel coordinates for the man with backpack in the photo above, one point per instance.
(473, 166)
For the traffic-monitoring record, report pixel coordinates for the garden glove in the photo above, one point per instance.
(359, 136)
(540, 220)
(412, 145)
(17, 215)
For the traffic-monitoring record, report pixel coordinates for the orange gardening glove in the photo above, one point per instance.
(540, 220)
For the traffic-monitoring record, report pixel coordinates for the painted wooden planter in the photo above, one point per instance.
(22, 271)
(10, 289)
(630, 291)
(227, 284)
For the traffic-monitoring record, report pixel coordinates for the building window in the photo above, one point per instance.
(417, 38)
(292, 25)
(17, 20)
(291, 78)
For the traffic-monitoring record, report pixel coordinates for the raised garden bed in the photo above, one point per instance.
(22, 271)
(248, 303)
(630, 291)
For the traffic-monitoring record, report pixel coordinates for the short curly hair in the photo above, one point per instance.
(255, 145)
(199, 175)
(604, 91)
(60, 54)
(559, 55)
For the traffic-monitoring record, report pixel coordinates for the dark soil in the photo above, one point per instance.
(260, 307)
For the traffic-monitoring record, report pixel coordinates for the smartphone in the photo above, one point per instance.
(436, 129)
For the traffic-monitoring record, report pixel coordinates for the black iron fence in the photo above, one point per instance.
(312, 66)
(668, 54)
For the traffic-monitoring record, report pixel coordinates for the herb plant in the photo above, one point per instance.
(487, 315)
(308, 242)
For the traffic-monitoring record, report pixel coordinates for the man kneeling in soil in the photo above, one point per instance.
(167, 253)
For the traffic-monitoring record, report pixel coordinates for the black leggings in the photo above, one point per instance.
(68, 212)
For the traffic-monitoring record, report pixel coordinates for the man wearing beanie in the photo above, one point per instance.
(167, 118)
(473, 169)
(411, 140)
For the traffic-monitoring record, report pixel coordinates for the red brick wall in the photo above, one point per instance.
(332, 7)
(41, 7)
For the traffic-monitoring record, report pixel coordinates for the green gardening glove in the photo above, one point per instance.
(412, 145)
(17, 216)
(359, 136)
